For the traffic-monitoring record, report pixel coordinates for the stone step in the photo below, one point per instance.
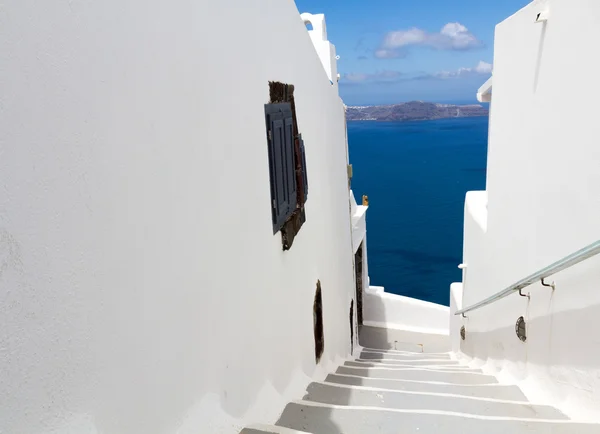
(390, 339)
(418, 352)
(270, 429)
(361, 396)
(406, 347)
(319, 418)
(418, 358)
(407, 382)
(418, 374)
(497, 391)
(414, 353)
(394, 364)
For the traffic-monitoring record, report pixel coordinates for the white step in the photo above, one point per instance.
(388, 398)
(404, 355)
(404, 382)
(417, 374)
(319, 418)
(390, 339)
(402, 364)
(270, 429)
(423, 359)
(497, 391)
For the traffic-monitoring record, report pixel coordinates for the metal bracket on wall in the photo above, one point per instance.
(524, 295)
(549, 285)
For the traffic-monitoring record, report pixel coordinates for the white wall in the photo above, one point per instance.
(392, 311)
(542, 186)
(475, 230)
(142, 289)
(324, 48)
(455, 321)
(359, 222)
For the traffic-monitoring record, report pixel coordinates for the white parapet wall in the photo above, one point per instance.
(475, 228)
(382, 309)
(142, 288)
(542, 204)
(359, 222)
(324, 48)
(455, 321)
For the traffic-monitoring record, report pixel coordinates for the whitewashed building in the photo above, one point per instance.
(181, 252)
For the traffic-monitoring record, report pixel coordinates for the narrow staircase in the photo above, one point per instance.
(406, 382)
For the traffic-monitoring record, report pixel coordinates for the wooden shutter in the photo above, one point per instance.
(281, 162)
(304, 175)
(290, 155)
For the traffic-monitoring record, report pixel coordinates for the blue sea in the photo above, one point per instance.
(416, 175)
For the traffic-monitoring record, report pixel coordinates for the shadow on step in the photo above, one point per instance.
(496, 391)
(256, 431)
(360, 396)
(409, 359)
(301, 420)
(418, 374)
(369, 363)
(319, 418)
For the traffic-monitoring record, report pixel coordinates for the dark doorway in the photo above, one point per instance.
(358, 268)
(352, 327)
(318, 323)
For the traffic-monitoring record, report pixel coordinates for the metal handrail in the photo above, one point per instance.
(566, 262)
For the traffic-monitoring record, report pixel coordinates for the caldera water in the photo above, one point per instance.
(416, 175)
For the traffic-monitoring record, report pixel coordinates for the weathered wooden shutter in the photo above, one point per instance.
(304, 175)
(281, 162)
(290, 154)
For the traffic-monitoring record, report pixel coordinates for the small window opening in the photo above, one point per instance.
(318, 323)
(308, 25)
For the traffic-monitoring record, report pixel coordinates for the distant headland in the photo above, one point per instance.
(413, 111)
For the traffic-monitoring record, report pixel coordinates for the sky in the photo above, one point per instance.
(393, 51)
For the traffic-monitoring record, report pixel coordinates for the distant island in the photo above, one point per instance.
(413, 111)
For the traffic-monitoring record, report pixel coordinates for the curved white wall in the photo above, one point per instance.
(142, 289)
(542, 186)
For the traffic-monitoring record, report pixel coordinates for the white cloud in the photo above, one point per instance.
(355, 77)
(387, 75)
(453, 36)
(378, 77)
(389, 54)
(482, 68)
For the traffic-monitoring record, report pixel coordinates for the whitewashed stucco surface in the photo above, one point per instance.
(542, 204)
(392, 311)
(142, 289)
(324, 48)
